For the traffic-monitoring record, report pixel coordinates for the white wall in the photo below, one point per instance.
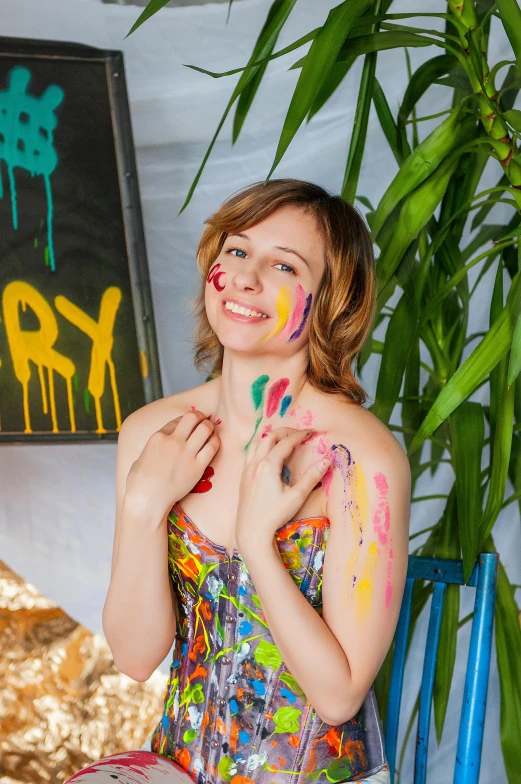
(57, 502)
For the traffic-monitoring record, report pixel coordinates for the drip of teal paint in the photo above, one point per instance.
(257, 393)
(257, 423)
(28, 144)
(286, 400)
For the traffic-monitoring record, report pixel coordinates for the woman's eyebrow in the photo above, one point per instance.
(276, 247)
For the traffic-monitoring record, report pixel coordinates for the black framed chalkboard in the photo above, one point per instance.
(78, 349)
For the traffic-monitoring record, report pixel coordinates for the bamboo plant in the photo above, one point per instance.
(430, 228)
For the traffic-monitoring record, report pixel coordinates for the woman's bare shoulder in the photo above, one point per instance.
(154, 415)
(351, 423)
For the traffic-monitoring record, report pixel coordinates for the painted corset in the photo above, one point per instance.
(232, 710)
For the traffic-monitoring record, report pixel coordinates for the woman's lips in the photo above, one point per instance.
(240, 317)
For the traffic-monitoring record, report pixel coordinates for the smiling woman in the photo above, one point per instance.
(283, 598)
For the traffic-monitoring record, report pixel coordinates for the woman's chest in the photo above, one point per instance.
(213, 502)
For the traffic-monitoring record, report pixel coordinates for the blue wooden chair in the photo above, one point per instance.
(472, 720)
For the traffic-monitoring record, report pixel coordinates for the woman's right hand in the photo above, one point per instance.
(173, 461)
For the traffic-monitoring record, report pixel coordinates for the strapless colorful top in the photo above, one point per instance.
(232, 710)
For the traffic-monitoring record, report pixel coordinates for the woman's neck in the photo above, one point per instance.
(258, 392)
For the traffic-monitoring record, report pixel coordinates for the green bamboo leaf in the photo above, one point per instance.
(396, 137)
(447, 546)
(329, 85)
(399, 337)
(508, 645)
(513, 118)
(475, 368)
(417, 209)
(152, 8)
(510, 15)
(419, 165)
(514, 365)
(501, 420)
(426, 75)
(359, 134)
(318, 63)
(355, 46)
(446, 657)
(250, 89)
(467, 428)
(265, 42)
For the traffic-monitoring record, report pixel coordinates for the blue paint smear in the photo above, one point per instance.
(290, 696)
(233, 706)
(259, 688)
(286, 400)
(244, 737)
(27, 123)
(241, 591)
(245, 627)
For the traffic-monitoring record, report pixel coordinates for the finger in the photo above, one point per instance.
(285, 445)
(188, 423)
(309, 478)
(264, 446)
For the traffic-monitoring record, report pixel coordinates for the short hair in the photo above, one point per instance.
(344, 305)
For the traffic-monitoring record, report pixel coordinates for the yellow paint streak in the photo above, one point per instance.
(100, 333)
(143, 363)
(364, 586)
(283, 306)
(36, 346)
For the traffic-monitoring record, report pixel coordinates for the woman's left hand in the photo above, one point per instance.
(265, 502)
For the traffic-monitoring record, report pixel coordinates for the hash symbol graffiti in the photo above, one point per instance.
(26, 138)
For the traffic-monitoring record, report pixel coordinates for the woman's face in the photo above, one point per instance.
(273, 269)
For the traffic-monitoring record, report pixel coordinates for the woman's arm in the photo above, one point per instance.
(139, 612)
(335, 658)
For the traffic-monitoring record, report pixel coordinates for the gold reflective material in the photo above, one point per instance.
(63, 703)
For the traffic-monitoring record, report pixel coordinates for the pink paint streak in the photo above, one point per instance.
(275, 395)
(295, 317)
(382, 514)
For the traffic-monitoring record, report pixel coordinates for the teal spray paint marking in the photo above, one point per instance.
(26, 139)
(257, 393)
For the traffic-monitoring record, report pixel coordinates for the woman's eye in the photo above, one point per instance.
(281, 264)
(239, 249)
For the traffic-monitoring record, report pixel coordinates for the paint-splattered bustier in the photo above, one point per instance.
(232, 710)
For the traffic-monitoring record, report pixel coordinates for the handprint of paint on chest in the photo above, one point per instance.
(27, 123)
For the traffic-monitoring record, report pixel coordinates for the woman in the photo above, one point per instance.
(286, 505)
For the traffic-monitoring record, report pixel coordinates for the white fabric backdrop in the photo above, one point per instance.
(57, 502)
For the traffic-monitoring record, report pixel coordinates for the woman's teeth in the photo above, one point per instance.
(244, 311)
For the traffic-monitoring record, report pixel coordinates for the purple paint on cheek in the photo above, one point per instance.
(304, 319)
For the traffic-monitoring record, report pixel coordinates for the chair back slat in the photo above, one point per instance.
(395, 688)
(472, 720)
(427, 684)
(442, 572)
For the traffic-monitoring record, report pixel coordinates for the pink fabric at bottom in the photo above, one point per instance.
(132, 767)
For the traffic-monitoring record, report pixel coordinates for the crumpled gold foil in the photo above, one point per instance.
(63, 703)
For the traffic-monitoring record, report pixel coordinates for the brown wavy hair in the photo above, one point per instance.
(344, 305)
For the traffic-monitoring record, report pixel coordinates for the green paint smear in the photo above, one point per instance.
(257, 390)
(86, 400)
(291, 683)
(227, 768)
(267, 654)
(75, 382)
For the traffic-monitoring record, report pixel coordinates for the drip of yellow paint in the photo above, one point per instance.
(283, 306)
(143, 363)
(37, 346)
